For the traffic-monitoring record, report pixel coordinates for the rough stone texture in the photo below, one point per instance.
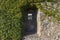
(39, 26)
(50, 30)
(31, 37)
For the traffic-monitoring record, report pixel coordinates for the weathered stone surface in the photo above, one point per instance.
(50, 31)
(39, 26)
(47, 29)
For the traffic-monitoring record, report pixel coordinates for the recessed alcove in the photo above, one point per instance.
(31, 21)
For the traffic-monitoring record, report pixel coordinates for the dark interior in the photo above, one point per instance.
(31, 24)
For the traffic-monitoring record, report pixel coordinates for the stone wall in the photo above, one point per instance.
(47, 27)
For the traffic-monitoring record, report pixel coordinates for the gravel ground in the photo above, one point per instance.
(31, 37)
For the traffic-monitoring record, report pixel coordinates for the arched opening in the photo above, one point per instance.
(31, 21)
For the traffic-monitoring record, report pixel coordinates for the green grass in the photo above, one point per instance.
(11, 20)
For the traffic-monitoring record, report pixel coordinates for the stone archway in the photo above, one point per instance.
(33, 22)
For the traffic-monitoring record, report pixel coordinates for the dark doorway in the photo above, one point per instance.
(31, 21)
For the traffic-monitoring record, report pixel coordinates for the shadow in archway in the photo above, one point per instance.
(31, 21)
